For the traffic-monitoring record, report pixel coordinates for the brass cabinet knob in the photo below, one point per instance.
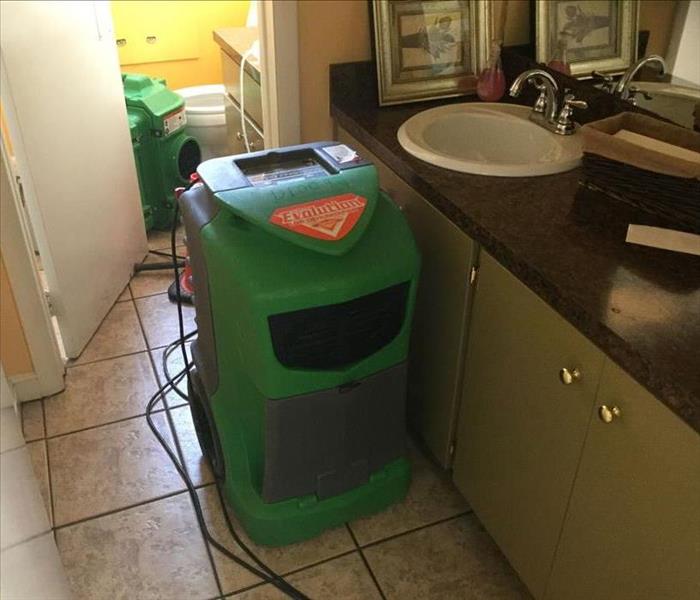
(568, 376)
(609, 413)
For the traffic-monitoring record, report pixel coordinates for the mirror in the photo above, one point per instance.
(669, 28)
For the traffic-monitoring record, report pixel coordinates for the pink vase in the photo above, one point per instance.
(492, 84)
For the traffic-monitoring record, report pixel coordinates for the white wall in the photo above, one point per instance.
(684, 48)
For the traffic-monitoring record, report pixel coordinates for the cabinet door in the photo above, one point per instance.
(633, 526)
(521, 429)
(439, 324)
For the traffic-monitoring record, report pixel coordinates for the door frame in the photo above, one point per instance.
(279, 63)
(32, 305)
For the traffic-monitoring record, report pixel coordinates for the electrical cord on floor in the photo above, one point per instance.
(264, 572)
(166, 369)
(139, 267)
(166, 254)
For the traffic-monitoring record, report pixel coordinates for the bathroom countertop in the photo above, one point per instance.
(235, 42)
(639, 305)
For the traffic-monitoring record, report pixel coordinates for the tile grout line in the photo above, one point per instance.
(31, 538)
(52, 508)
(102, 322)
(99, 360)
(415, 529)
(143, 329)
(180, 453)
(115, 511)
(366, 562)
(24, 435)
(105, 424)
(291, 572)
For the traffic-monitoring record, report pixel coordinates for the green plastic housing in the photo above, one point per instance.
(255, 271)
(164, 158)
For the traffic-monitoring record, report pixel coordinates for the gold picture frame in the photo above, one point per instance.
(601, 35)
(427, 50)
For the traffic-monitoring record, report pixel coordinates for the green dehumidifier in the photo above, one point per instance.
(305, 276)
(165, 155)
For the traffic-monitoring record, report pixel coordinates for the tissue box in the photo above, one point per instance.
(645, 162)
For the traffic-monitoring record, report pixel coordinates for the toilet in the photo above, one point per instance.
(206, 118)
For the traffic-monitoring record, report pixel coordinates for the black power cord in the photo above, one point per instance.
(165, 254)
(262, 570)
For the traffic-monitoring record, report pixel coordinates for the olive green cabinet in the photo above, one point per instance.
(589, 484)
(442, 304)
(529, 390)
(632, 530)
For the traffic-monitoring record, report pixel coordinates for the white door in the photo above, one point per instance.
(63, 101)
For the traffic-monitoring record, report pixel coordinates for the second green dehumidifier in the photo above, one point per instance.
(165, 155)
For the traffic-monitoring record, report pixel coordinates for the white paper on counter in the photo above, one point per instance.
(666, 239)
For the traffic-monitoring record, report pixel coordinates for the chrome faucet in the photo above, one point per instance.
(546, 111)
(624, 89)
(547, 103)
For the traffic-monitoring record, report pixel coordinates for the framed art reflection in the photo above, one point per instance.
(598, 35)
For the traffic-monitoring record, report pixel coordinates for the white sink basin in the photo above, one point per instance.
(488, 139)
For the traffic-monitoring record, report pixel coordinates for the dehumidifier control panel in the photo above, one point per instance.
(265, 173)
(279, 166)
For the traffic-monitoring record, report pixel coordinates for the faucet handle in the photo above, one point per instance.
(608, 80)
(604, 76)
(564, 123)
(570, 100)
(541, 103)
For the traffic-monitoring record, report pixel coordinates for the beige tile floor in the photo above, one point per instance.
(126, 528)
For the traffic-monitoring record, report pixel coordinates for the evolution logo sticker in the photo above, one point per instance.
(329, 219)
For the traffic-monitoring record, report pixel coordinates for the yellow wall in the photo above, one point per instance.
(14, 352)
(192, 20)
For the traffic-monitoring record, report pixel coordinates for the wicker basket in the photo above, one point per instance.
(670, 191)
(676, 199)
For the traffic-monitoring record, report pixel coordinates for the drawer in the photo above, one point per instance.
(251, 88)
(234, 133)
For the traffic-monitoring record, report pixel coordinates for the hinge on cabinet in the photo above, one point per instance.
(452, 448)
(473, 275)
(50, 303)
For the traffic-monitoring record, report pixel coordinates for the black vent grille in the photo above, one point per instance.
(335, 335)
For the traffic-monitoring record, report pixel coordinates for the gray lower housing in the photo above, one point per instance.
(328, 442)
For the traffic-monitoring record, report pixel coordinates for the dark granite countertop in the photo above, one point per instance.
(639, 305)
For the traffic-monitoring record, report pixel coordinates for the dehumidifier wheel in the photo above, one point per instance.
(204, 425)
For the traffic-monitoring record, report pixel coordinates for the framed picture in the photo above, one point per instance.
(599, 35)
(430, 49)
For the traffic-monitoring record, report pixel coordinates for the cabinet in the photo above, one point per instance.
(522, 429)
(234, 132)
(589, 484)
(251, 88)
(235, 43)
(632, 530)
(442, 304)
